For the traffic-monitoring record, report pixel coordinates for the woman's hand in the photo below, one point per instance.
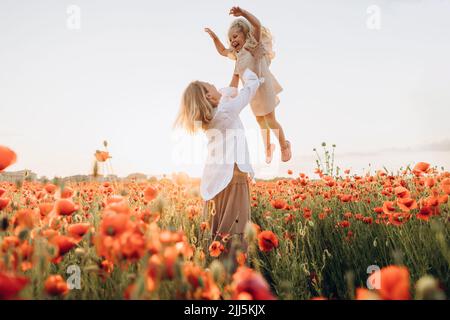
(211, 33)
(237, 12)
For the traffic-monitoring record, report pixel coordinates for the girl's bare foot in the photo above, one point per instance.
(286, 153)
(269, 153)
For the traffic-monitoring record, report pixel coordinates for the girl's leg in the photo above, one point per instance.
(276, 128)
(265, 132)
(279, 132)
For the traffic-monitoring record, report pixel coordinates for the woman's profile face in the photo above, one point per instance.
(211, 92)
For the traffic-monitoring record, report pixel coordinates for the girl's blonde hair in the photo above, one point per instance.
(196, 112)
(244, 26)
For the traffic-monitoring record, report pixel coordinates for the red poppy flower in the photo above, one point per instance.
(430, 182)
(114, 224)
(3, 203)
(250, 285)
(204, 226)
(11, 285)
(445, 186)
(66, 193)
(63, 243)
(279, 204)
(421, 168)
(348, 215)
(402, 192)
(241, 258)
(78, 230)
(407, 204)
(394, 283)
(398, 218)
(367, 220)
(55, 285)
(345, 197)
(150, 193)
(107, 266)
(215, 249)
(365, 294)
(425, 213)
(65, 207)
(378, 209)
(7, 157)
(25, 218)
(267, 241)
(388, 207)
(50, 188)
(45, 208)
(307, 213)
(129, 291)
(344, 224)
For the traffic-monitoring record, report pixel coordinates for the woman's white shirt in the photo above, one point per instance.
(227, 143)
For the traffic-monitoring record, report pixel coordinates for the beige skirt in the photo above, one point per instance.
(229, 211)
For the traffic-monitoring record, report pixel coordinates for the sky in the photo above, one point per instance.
(375, 83)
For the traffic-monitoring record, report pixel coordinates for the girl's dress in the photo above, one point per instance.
(266, 98)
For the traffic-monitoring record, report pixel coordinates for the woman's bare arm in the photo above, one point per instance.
(219, 45)
(238, 12)
(235, 81)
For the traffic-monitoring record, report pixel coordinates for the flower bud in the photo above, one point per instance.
(250, 233)
(91, 268)
(217, 271)
(427, 288)
(80, 252)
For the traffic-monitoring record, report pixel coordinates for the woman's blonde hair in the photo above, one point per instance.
(245, 27)
(196, 111)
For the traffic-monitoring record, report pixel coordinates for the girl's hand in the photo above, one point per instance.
(211, 33)
(237, 12)
(219, 45)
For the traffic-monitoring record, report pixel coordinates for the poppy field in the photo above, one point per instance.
(327, 236)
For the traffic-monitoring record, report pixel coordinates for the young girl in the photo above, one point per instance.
(251, 47)
(225, 176)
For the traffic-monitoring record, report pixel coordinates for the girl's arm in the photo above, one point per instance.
(219, 45)
(238, 12)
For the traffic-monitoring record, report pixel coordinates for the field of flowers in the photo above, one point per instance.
(311, 238)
